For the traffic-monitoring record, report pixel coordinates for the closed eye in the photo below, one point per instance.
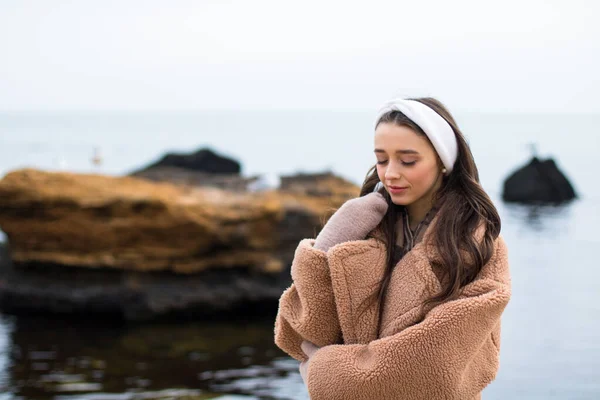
(408, 164)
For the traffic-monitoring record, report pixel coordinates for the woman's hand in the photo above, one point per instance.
(352, 221)
(309, 349)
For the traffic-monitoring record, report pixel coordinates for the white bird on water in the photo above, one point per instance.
(97, 158)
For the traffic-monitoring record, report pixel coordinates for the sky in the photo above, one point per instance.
(515, 56)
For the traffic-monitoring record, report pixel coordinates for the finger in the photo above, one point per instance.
(303, 371)
(308, 348)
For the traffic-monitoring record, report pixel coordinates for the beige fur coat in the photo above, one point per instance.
(453, 353)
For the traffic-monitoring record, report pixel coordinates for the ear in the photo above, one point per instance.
(440, 166)
(440, 163)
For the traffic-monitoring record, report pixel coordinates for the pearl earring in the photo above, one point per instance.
(444, 170)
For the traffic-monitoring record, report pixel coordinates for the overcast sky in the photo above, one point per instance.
(169, 55)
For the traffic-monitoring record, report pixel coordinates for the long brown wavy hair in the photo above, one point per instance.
(463, 207)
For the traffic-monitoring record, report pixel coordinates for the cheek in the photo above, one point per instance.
(381, 172)
(422, 177)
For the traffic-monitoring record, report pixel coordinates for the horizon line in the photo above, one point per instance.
(275, 109)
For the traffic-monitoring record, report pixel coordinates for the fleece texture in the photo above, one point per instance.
(345, 225)
(451, 353)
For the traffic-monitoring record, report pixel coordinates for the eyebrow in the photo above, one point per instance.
(407, 151)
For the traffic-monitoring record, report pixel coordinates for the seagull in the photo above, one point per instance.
(97, 158)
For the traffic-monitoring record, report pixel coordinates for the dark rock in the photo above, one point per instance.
(132, 295)
(538, 182)
(202, 168)
(182, 176)
(203, 160)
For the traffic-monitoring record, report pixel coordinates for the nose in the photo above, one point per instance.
(392, 172)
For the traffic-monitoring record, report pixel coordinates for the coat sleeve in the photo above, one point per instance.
(307, 309)
(453, 353)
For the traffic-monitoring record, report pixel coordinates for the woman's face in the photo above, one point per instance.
(408, 161)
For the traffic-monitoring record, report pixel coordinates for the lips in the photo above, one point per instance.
(397, 189)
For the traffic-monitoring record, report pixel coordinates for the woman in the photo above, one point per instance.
(401, 293)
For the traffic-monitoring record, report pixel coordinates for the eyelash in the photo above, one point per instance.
(406, 164)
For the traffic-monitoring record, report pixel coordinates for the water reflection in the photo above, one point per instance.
(538, 217)
(45, 358)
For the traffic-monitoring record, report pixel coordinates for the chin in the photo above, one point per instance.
(400, 201)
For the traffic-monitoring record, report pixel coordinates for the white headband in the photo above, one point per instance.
(435, 127)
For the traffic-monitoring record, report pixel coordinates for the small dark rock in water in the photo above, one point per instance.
(202, 168)
(203, 160)
(538, 182)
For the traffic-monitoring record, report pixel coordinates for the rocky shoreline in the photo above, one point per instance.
(141, 249)
(133, 295)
